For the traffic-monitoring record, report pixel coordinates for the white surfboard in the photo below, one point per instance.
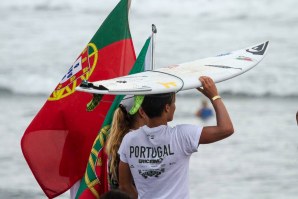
(182, 76)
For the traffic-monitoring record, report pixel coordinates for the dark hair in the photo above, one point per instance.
(115, 194)
(127, 119)
(153, 105)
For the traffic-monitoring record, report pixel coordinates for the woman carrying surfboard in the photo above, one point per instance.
(156, 156)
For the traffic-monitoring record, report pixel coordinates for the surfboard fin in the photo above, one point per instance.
(86, 84)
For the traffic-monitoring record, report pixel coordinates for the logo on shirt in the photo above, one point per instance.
(150, 159)
(150, 152)
(151, 172)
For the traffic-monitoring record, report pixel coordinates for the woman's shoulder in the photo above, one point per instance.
(131, 134)
(185, 127)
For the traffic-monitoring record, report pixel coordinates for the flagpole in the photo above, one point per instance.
(154, 31)
(129, 4)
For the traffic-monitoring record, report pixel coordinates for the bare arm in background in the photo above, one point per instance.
(224, 127)
(126, 180)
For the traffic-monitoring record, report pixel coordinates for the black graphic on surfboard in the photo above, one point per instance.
(222, 66)
(258, 50)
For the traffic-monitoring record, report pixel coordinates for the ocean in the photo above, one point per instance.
(40, 39)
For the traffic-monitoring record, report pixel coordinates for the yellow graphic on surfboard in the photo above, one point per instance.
(168, 84)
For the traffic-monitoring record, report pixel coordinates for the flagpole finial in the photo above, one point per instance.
(154, 30)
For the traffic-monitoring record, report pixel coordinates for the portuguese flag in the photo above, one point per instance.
(95, 181)
(57, 143)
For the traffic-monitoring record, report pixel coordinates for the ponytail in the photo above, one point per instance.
(121, 124)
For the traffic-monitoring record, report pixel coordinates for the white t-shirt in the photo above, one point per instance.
(159, 159)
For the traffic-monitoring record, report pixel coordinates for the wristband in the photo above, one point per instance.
(216, 97)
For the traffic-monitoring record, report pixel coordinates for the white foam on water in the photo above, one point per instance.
(43, 38)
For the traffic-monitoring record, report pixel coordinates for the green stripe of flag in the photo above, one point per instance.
(114, 28)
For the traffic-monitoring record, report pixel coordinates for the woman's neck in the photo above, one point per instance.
(158, 121)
